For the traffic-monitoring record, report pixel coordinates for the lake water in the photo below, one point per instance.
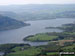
(1, 53)
(17, 35)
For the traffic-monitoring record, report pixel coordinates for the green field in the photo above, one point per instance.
(41, 37)
(53, 53)
(32, 51)
(69, 48)
(26, 50)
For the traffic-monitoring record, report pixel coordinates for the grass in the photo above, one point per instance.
(41, 37)
(19, 48)
(53, 53)
(69, 48)
(69, 33)
(32, 51)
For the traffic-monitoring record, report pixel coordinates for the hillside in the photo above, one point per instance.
(7, 23)
(11, 14)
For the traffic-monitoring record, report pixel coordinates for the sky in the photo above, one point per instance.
(11, 2)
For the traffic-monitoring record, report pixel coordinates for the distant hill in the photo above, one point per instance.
(11, 14)
(66, 14)
(7, 23)
(39, 11)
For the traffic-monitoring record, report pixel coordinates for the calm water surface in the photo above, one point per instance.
(17, 35)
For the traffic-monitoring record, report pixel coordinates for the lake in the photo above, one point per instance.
(1, 53)
(17, 35)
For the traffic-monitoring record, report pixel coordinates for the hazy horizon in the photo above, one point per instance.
(22, 2)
